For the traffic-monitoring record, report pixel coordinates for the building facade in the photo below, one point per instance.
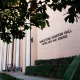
(61, 39)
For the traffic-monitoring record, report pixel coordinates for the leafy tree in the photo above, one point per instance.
(13, 15)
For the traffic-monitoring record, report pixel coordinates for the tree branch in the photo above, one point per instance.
(2, 8)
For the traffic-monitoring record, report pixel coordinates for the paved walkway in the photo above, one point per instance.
(20, 75)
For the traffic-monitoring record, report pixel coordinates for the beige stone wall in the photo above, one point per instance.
(69, 45)
(33, 45)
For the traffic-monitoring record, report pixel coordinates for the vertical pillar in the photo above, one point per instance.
(4, 60)
(23, 53)
(10, 52)
(7, 54)
(28, 48)
(17, 52)
(28, 43)
(14, 51)
(1, 55)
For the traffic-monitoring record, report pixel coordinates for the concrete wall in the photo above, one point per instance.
(50, 44)
(33, 45)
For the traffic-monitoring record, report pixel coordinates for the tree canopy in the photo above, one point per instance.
(14, 13)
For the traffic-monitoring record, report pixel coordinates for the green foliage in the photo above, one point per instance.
(65, 60)
(13, 15)
(77, 73)
(55, 71)
(69, 75)
(5, 76)
(6, 3)
(73, 10)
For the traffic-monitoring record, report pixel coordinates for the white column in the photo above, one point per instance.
(28, 47)
(24, 51)
(1, 55)
(7, 54)
(4, 60)
(17, 52)
(28, 44)
(10, 52)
